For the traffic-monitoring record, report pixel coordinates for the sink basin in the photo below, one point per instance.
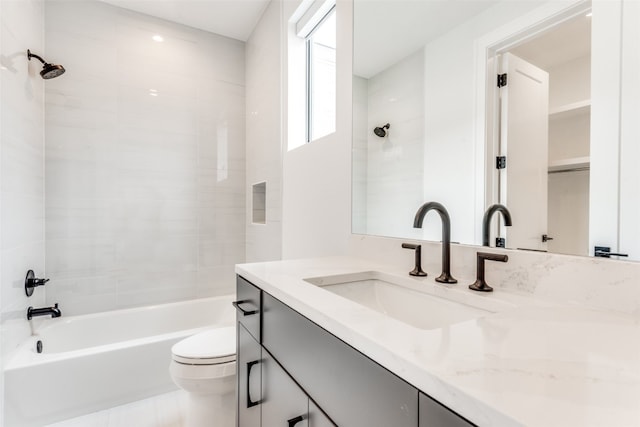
(390, 296)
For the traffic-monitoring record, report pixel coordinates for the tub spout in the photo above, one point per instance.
(45, 311)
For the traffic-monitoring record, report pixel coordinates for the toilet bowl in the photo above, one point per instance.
(204, 365)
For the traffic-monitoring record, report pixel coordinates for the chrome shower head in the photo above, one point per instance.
(380, 131)
(49, 71)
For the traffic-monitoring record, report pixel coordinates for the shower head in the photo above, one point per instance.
(380, 131)
(49, 71)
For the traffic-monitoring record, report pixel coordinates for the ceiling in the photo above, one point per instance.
(562, 43)
(230, 18)
(386, 31)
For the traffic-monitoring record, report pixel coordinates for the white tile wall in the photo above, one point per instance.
(145, 159)
(21, 167)
(264, 133)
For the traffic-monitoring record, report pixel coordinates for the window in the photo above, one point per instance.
(321, 77)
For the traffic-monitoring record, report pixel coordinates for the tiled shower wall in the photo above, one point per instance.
(145, 159)
(392, 166)
(21, 167)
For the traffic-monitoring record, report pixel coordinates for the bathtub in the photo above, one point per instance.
(97, 361)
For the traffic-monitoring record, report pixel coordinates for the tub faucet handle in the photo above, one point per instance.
(31, 281)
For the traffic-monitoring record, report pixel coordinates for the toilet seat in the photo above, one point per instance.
(212, 347)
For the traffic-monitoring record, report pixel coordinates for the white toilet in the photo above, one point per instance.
(204, 365)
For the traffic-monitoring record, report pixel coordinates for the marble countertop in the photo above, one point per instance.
(534, 362)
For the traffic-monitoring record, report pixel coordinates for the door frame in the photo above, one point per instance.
(487, 127)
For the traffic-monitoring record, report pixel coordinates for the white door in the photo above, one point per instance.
(524, 134)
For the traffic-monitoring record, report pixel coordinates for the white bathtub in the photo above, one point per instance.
(98, 361)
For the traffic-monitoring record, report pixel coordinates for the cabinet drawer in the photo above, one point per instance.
(433, 414)
(351, 388)
(248, 306)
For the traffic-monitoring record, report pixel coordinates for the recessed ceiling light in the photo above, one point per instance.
(153, 92)
(589, 15)
(157, 38)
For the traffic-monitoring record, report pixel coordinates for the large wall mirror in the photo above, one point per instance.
(528, 104)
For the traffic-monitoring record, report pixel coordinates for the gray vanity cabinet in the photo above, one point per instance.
(433, 414)
(350, 387)
(303, 368)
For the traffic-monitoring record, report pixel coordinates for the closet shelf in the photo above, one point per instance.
(570, 110)
(569, 164)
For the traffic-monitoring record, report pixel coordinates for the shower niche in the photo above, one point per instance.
(258, 205)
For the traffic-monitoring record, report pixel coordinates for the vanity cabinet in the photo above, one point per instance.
(249, 353)
(433, 414)
(249, 377)
(310, 378)
(350, 387)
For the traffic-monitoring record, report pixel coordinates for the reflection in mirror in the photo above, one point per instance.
(544, 118)
(430, 71)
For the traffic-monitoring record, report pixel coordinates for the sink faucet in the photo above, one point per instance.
(486, 220)
(45, 311)
(445, 277)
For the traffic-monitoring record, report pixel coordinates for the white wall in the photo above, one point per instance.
(317, 176)
(21, 168)
(145, 195)
(360, 154)
(264, 133)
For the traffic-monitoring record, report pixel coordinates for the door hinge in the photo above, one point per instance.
(500, 242)
(501, 162)
(502, 80)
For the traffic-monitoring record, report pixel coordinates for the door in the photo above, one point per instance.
(524, 139)
(248, 369)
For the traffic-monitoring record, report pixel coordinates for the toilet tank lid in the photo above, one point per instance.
(214, 343)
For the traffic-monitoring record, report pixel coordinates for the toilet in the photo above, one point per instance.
(204, 365)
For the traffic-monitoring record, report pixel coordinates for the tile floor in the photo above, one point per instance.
(164, 410)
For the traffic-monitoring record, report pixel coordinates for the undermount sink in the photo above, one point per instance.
(390, 296)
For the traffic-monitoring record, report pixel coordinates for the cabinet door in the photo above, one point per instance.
(433, 414)
(285, 404)
(249, 366)
(317, 418)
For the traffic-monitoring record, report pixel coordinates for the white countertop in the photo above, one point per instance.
(541, 363)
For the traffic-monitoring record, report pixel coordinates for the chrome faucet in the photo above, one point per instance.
(486, 220)
(445, 277)
(45, 311)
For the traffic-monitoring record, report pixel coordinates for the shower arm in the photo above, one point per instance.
(33, 55)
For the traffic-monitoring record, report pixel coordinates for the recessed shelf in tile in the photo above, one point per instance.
(258, 211)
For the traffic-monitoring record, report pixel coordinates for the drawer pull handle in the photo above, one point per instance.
(293, 421)
(244, 312)
(251, 403)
